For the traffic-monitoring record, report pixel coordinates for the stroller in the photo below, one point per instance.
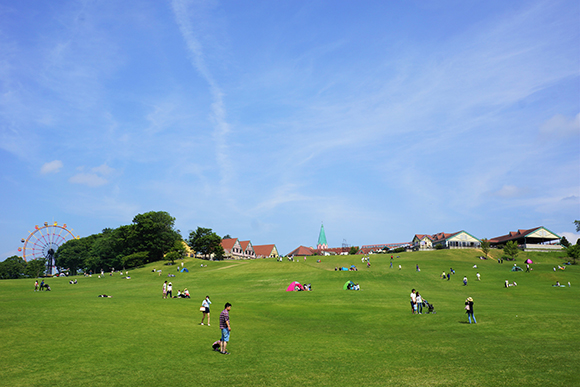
(430, 307)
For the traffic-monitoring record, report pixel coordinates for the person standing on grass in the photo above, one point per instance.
(170, 290)
(478, 276)
(469, 310)
(413, 301)
(464, 281)
(225, 328)
(165, 289)
(36, 285)
(419, 303)
(205, 303)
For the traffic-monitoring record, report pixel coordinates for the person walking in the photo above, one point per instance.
(205, 304)
(391, 264)
(225, 327)
(413, 301)
(469, 310)
(478, 276)
(419, 303)
(464, 281)
(165, 289)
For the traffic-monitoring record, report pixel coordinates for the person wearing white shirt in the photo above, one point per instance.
(205, 304)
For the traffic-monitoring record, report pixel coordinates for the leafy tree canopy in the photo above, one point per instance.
(12, 267)
(511, 249)
(485, 246)
(206, 242)
(564, 242)
(35, 267)
(154, 232)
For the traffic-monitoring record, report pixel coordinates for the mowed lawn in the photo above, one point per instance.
(525, 336)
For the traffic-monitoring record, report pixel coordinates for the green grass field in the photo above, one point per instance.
(525, 335)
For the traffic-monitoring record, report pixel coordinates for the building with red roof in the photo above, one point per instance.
(301, 251)
(455, 240)
(533, 239)
(266, 251)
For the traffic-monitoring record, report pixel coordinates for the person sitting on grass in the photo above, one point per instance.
(104, 296)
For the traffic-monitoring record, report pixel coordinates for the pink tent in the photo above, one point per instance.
(293, 286)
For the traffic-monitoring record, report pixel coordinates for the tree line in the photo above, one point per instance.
(150, 237)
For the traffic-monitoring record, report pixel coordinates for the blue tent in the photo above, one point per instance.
(184, 270)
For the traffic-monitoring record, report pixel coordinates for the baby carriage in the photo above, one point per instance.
(430, 307)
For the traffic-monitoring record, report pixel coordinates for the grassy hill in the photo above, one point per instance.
(526, 335)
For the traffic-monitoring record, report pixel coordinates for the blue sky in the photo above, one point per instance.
(263, 119)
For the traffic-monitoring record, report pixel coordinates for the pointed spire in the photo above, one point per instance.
(322, 244)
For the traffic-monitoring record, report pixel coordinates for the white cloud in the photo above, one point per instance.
(510, 191)
(103, 170)
(561, 126)
(51, 167)
(88, 179)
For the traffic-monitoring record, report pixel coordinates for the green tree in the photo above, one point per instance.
(35, 267)
(135, 259)
(12, 267)
(577, 223)
(206, 242)
(177, 252)
(485, 246)
(111, 246)
(573, 251)
(73, 254)
(511, 249)
(154, 232)
(353, 250)
(564, 242)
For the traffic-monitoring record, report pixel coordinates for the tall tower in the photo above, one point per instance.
(322, 244)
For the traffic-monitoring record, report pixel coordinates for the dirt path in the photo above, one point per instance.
(227, 267)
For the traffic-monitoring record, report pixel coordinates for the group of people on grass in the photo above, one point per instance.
(167, 290)
(416, 302)
(41, 287)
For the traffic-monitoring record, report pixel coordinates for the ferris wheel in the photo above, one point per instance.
(44, 241)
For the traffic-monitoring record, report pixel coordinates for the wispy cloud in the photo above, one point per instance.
(184, 12)
(88, 179)
(51, 167)
(561, 126)
(94, 178)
